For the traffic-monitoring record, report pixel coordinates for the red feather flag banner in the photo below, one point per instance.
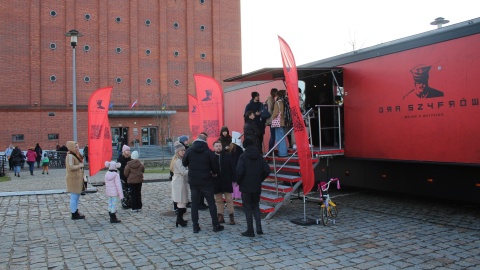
(99, 137)
(299, 129)
(194, 117)
(210, 105)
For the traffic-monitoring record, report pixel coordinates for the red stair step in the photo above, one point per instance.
(285, 177)
(287, 168)
(272, 186)
(271, 197)
(283, 159)
(263, 208)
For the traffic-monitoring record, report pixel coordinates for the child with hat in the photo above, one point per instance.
(134, 173)
(113, 189)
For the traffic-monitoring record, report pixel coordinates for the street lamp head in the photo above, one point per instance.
(73, 34)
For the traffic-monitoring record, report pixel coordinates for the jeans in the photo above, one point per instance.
(31, 166)
(112, 202)
(16, 169)
(282, 147)
(271, 142)
(251, 207)
(74, 198)
(207, 192)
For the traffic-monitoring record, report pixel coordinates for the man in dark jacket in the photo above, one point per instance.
(251, 170)
(256, 107)
(201, 164)
(223, 182)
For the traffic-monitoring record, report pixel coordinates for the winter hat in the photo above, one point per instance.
(247, 142)
(255, 94)
(125, 148)
(134, 154)
(183, 138)
(112, 165)
(178, 146)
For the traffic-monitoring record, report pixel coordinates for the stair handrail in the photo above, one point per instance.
(275, 171)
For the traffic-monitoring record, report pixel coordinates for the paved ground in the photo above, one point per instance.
(373, 231)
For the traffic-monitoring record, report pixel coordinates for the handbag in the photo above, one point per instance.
(264, 114)
(276, 121)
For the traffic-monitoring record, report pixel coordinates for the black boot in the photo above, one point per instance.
(180, 221)
(77, 215)
(196, 228)
(113, 218)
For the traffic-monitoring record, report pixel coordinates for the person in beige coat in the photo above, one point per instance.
(179, 183)
(134, 174)
(74, 177)
(278, 109)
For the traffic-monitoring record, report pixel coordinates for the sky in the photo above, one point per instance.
(319, 29)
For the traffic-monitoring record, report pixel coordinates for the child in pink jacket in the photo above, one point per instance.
(113, 189)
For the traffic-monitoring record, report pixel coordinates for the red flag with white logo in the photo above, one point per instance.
(194, 117)
(300, 131)
(210, 104)
(99, 137)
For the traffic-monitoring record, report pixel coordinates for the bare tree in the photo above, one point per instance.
(352, 43)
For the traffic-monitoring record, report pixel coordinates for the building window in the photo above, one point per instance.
(52, 137)
(202, 55)
(202, 2)
(86, 48)
(148, 51)
(118, 19)
(176, 82)
(175, 25)
(118, 50)
(53, 13)
(148, 22)
(202, 27)
(17, 138)
(53, 46)
(118, 80)
(51, 114)
(88, 17)
(86, 79)
(149, 81)
(176, 53)
(53, 78)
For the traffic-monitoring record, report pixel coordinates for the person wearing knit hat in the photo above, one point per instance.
(256, 107)
(183, 140)
(251, 171)
(134, 173)
(123, 159)
(179, 183)
(113, 189)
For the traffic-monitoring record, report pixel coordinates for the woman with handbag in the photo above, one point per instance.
(278, 124)
(74, 178)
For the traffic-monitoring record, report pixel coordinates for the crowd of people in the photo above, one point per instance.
(217, 177)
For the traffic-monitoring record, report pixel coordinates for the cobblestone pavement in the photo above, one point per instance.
(373, 231)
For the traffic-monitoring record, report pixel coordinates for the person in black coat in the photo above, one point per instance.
(252, 169)
(17, 158)
(123, 159)
(256, 107)
(38, 150)
(251, 131)
(222, 183)
(201, 164)
(225, 138)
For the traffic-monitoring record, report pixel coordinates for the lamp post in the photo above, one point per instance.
(74, 34)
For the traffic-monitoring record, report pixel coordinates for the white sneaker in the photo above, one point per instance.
(294, 146)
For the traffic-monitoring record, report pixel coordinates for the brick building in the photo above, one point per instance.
(147, 50)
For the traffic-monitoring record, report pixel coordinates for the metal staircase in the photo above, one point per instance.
(285, 179)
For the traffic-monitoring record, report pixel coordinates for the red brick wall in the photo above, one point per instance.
(27, 61)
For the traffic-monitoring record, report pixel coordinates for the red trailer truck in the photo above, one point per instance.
(409, 119)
